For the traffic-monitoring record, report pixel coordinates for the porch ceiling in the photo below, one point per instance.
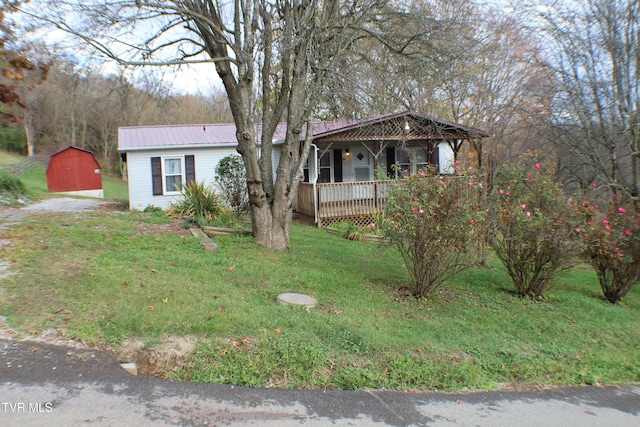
(406, 126)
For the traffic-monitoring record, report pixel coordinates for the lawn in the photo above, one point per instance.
(111, 277)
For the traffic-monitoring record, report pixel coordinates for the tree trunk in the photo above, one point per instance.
(28, 135)
(271, 229)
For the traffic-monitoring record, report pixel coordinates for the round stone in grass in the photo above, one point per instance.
(297, 299)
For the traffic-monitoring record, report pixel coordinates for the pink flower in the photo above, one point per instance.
(470, 184)
(528, 214)
(372, 225)
(589, 223)
(472, 222)
(622, 210)
(500, 192)
(620, 254)
(523, 206)
(420, 212)
(577, 229)
(606, 227)
(423, 173)
(414, 209)
(605, 222)
(616, 249)
(594, 185)
(537, 165)
(627, 233)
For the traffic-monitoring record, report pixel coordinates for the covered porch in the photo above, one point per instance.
(351, 164)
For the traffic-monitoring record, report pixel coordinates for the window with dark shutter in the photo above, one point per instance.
(190, 168)
(156, 175)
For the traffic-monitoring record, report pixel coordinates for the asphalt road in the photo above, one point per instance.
(49, 385)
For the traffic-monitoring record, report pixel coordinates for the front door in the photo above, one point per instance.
(361, 164)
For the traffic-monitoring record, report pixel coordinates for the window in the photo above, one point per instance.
(422, 161)
(325, 167)
(403, 160)
(170, 174)
(411, 161)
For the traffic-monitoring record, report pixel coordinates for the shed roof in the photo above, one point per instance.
(211, 135)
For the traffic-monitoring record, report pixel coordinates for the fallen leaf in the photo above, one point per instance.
(125, 283)
(222, 309)
(278, 331)
(247, 340)
(165, 300)
(231, 268)
(152, 307)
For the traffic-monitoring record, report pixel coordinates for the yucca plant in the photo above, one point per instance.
(200, 203)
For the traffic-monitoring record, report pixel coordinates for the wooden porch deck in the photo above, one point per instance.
(331, 202)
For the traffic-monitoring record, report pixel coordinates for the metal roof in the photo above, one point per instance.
(210, 135)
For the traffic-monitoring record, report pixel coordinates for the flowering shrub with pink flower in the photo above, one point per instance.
(611, 235)
(533, 231)
(436, 222)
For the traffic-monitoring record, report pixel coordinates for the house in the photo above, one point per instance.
(342, 177)
(75, 171)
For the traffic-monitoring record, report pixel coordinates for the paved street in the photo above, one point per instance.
(46, 385)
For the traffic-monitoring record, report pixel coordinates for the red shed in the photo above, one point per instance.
(75, 171)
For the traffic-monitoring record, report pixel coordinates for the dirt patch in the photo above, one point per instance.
(176, 226)
(159, 360)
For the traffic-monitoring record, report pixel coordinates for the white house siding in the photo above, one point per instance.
(139, 173)
(447, 158)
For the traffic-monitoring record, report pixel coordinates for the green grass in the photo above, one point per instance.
(106, 278)
(9, 158)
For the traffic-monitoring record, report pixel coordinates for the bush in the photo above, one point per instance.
(612, 244)
(200, 203)
(436, 223)
(11, 184)
(12, 139)
(12, 190)
(231, 177)
(533, 233)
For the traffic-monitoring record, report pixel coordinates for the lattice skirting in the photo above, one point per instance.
(359, 220)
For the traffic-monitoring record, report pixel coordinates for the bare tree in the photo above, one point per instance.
(272, 57)
(592, 46)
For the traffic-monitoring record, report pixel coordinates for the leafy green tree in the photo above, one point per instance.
(231, 178)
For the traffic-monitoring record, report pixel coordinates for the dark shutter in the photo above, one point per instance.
(435, 159)
(190, 168)
(337, 165)
(156, 175)
(391, 161)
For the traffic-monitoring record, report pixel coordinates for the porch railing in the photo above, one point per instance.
(342, 200)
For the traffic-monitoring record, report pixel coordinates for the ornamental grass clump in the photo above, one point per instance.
(200, 203)
(533, 232)
(436, 222)
(611, 234)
